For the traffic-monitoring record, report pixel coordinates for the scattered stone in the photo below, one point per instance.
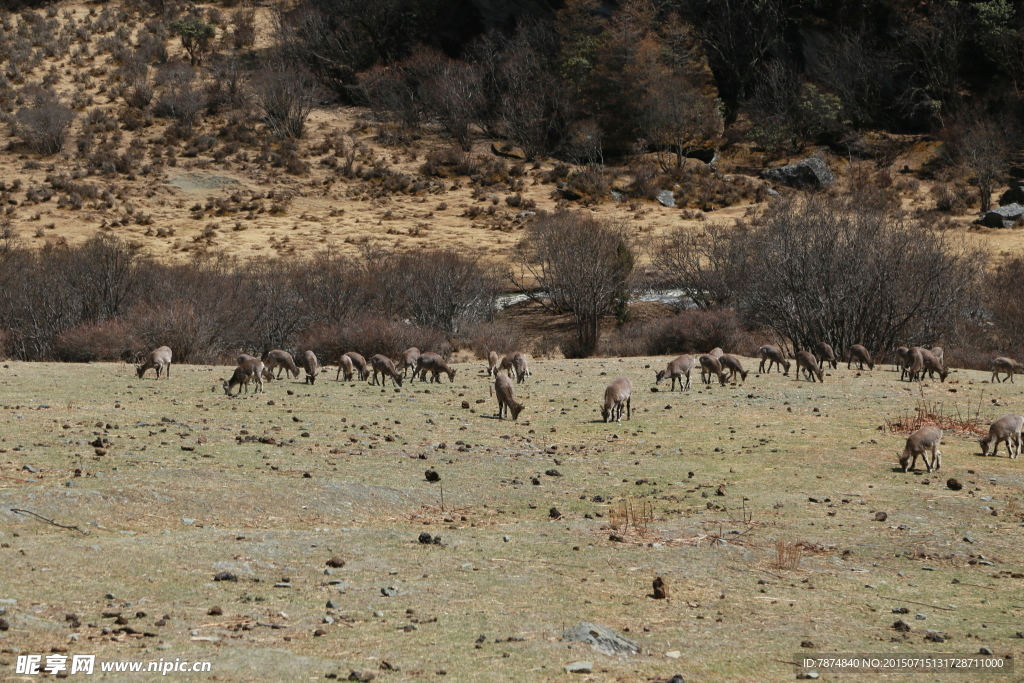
(807, 643)
(720, 491)
(332, 605)
(4, 625)
(363, 676)
(579, 668)
(666, 198)
(336, 562)
(881, 516)
(901, 626)
(953, 484)
(187, 521)
(660, 589)
(465, 405)
(601, 638)
(553, 513)
(810, 173)
(389, 592)
(810, 675)
(426, 539)
(215, 611)
(1002, 217)
(920, 617)
(553, 473)
(31, 468)
(225, 576)
(432, 476)
(984, 651)
(968, 539)
(934, 638)
(1014, 195)
(900, 610)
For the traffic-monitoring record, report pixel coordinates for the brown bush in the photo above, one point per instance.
(109, 340)
(496, 335)
(44, 125)
(690, 331)
(369, 334)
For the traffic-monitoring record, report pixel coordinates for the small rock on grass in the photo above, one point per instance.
(881, 516)
(953, 484)
(361, 676)
(225, 576)
(579, 668)
(336, 562)
(215, 611)
(660, 589)
(389, 592)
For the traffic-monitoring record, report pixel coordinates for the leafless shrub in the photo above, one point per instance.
(285, 95)
(454, 95)
(45, 124)
(690, 331)
(787, 555)
(243, 28)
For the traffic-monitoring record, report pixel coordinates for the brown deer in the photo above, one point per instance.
(281, 360)
(1007, 365)
(311, 366)
(359, 364)
(409, 358)
(520, 366)
(384, 366)
(493, 363)
(249, 371)
(773, 356)
(506, 392)
(919, 443)
(860, 355)
(824, 354)
(616, 397)
(902, 361)
(431, 362)
(717, 352)
(734, 366)
(922, 361)
(158, 358)
(682, 365)
(345, 365)
(1006, 429)
(709, 365)
(805, 361)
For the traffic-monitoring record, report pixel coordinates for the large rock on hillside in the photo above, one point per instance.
(601, 638)
(812, 173)
(1003, 217)
(1015, 195)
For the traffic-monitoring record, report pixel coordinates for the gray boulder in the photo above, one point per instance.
(666, 198)
(1015, 195)
(811, 173)
(1003, 217)
(601, 638)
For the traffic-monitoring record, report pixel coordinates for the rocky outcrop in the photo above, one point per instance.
(812, 174)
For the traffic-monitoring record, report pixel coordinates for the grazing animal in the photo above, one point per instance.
(939, 354)
(159, 359)
(716, 352)
(242, 357)
(682, 365)
(824, 353)
(281, 360)
(805, 361)
(409, 358)
(1007, 365)
(919, 443)
(435, 364)
(774, 356)
(902, 361)
(709, 365)
(359, 365)
(1007, 428)
(616, 396)
(506, 392)
(311, 366)
(520, 366)
(493, 363)
(345, 365)
(861, 356)
(922, 361)
(383, 366)
(249, 371)
(733, 365)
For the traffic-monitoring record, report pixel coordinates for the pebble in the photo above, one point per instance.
(984, 651)
(674, 654)
(332, 605)
(389, 592)
(506, 539)
(187, 521)
(920, 616)
(968, 539)
(378, 613)
(579, 668)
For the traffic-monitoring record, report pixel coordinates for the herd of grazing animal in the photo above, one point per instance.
(913, 362)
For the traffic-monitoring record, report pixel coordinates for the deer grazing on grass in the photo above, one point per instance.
(773, 356)
(825, 355)
(506, 392)
(805, 361)
(717, 352)
(159, 359)
(520, 366)
(431, 362)
(493, 363)
(709, 365)
(1005, 429)
(281, 360)
(922, 361)
(359, 365)
(859, 355)
(616, 397)
(409, 358)
(919, 443)
(248, 371)
(311, 365)
(902, 361)
(676, 369)
(345, 365)
(1007, 365)
(734, 366)
(384, 366)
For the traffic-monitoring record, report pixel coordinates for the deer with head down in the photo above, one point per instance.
(861, 356)
(493, 363)
(773, 356)
(311, 366)
(383, 366)
(616, 398)
(433, 363)
(709, 365)
(248, 371)
(506, 393)
(734, 366)
(281, 360)
(922, 361)
(805, 361)
(1006, 429)
(919, 443)
(359, 364)
(825, 355)
(158, 358)
(409, 358)
(345, 365)
(681, 366)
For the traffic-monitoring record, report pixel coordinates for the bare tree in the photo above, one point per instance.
(285, 95)
(981, 146)
(679, 116)
(571, 262)
(455, 96)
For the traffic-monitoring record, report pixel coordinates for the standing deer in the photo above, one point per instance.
(825, 355)
(616, 397)
(345, 365)
(717, 352)
(359, 364)
(520, 366)
(281, 360)
(922, 361)
(1005, 429)
(709, 365)
(733, 365)
(506, 392)
(311, 365)
(682, 365)
(250, 370)
(902, 361)
(805, 361)
(919, 443)
(774, 356)
(158, 358)
(860, 355)
(409, 358)
(1007, 365)
(431, 362)
(493, 363)
(384, 366)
